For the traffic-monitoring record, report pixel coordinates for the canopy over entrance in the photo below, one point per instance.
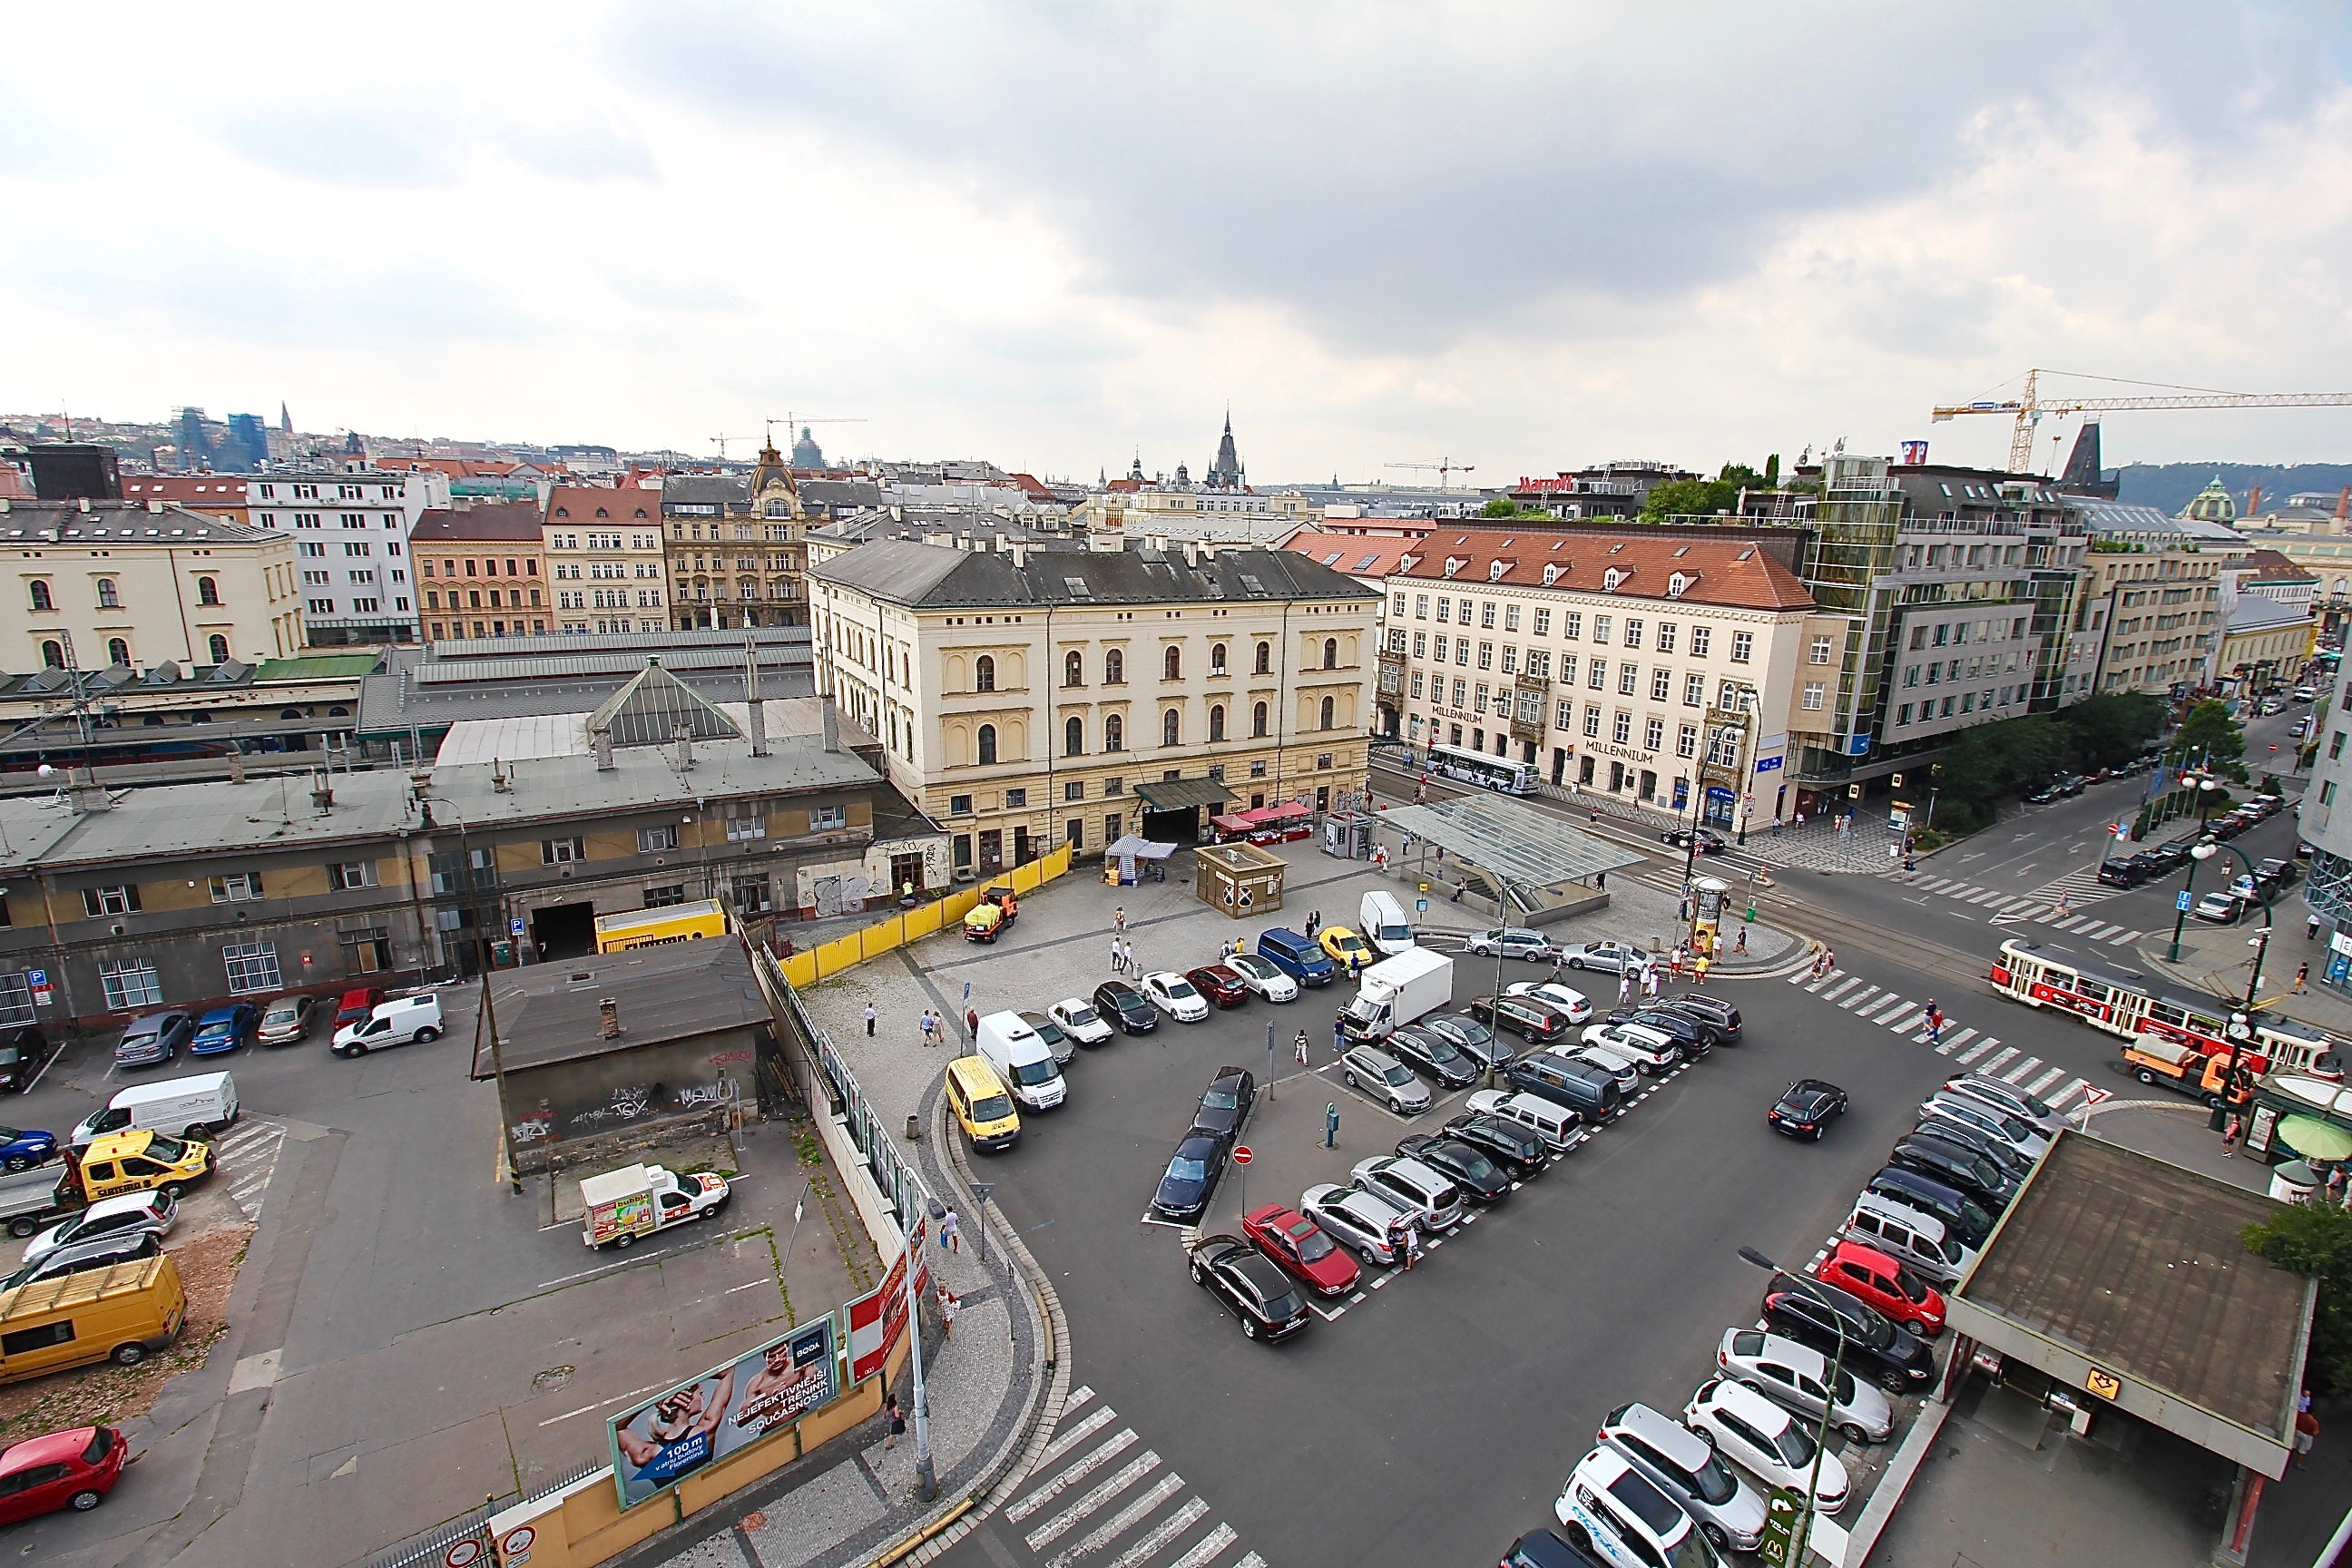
(1537, 860)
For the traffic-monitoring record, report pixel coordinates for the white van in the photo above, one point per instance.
(1022, 1060)
(404, 1020)
(1909, 1236)
(192, 1107)
(1381, 920)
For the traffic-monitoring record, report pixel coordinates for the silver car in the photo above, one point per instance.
(1433, 1202)
(1511, 942)
(1646, 1048)
(1368, 1225)
(1627, 1075)
(1567, 998)
(1615, 957)
(1679, 1462)
(1385, 1078)
(2008, 1098)
(1797, 1376)
(2012, 1131)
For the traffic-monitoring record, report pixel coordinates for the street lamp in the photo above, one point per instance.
(1803, 1536)
(2241, 1027)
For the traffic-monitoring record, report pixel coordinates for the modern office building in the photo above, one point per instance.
(349, 523)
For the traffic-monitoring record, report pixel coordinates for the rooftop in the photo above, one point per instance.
(549, 1013)
(926, 576)
(1735, 573)
(2253, 613)
(123, 523)
(1510, 839)
(501, 522)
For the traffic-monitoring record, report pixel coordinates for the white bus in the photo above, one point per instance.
(1477, 768)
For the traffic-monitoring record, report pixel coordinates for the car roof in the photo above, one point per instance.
(1372, 1055)
(123, 1203)
(1751, 1406)
(223, 1014)
(1663, 1432)
(49, 1448)
(1197, 1141)
(1802, 1357)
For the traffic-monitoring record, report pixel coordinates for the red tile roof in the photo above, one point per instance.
(577, 504)
(204, 491)
(2272, 567)
(1356, 555)
(504, 522)
(1728, 572)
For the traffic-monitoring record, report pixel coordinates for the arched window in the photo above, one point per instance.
(108, 599)
(118, 651)
(41, 600)
(1171, 727)
(53, 653)
(218, 645)
(1074, 738)
(984, 674)
(1074, 670)
(1265, 658)
(1114, 730)
(1172, 664)
(1328, 711)
(987, 744)
(1217, 658)
(289, 713)
(207, 591)
(1257, 720)
(1217, 722)
(339, 712)
(1114, 669)
(1331, 657)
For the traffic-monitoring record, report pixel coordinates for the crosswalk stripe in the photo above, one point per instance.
(1077, 1512)
(1988, 894)
(2071, 921)
(1832, 975)
(1166, 1531)
(1969, 1056)
(2127, 936)
(2030, 910)
(1938, 884)
(1865, 995)
(1120, 1523)
(1079, 1396)
(2100, 931)
(1216, 1540)
(1065, 1441)
(1958, 1038)
(2067, 1093)
(1907, 1020)
(1849, 981)
(2044, 1082)
(1124, 1440)
(1251, 1561)
(2019, 1070)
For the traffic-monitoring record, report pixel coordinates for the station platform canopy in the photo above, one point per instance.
(1529, 849)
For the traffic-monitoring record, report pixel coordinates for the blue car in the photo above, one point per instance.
(153, 1040)
(21, 1150)
(224, 1029)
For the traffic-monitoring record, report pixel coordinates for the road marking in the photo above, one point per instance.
(1986, 896)
(2067, 1093)
(1383, 1281)
(1166, 1531)
(1079, 1396)
(1831, 994)
(1906, 1020)
(2008, 1054)
(1064, 1441)
(2071, 921)
(1120, 1523)
(747, 1285)
(1070, 1518)
(2044, 1082)
(2018, 1071)
(1120, 1443)
(1216, 1541)
(1884, 1012)
(1865, 995)
(2100, 930)
(1939, 884)
(2127, 936)
(1969, 1056)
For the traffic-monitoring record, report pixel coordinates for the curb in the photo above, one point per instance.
(1895, 1483)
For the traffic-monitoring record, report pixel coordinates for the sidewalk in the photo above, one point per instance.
(2215, 958)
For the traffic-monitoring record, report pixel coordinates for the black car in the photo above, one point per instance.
(1728, 1028)
(1544, 1549)
(1481, 1178)
(1509, 1144)
(1469, 1037)
(1226, 1105)
(2126, 873)
(1709, 841)
(1694, 1035)
(1434, 1056)
(1191, 1179)
(1533, 1020)
(1125, 1005)
(1954, 1166)
(1808, 1109)
(2069, 784)
(1965, 1221)
(2163, 857)
(2043, 795)
(2274, 873)
(1250, 1287)
(1813, 1314)
(24, 1051)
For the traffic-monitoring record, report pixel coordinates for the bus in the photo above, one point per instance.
(1478, 768)
(2129, 1003)
(653, 927)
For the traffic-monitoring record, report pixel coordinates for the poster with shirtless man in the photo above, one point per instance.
(725, 1410)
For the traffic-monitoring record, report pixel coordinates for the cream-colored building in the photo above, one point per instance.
(738, 547)
(1136, 509)
(1028, 698)
(105, 582)
(1642, 663)
(605, 559)
(2152, 617)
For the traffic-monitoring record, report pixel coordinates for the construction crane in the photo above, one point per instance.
(1441, 468)
(792, 422)
(2029, 409)
(722, 441)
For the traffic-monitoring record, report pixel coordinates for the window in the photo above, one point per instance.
(1919, 637)
(1330, 708)
(1445, 607)
(1814, 691)
(1743, 645)
(1416, 683)
(984, 674)
(561, 851)
(1074, 790)
(218, 644)
(1015, 799)
(1666, 636)
(1700, 638)
(1331, 653)
(1171, 727)
(252, 966)
(122, 900)
(1601, 626)
(2335, 746)
(1257, 710)
(1597, 679)
(41, 600)
(1396, 604)
(1911, 676)
(663, 897)
(745, 829)
(1265, 658)
(129, 984)
(1171, 664)
(1420, 607)
(1485, 656)
(833, 819)
(1461, 693)
(118, 651)
(23, 1342)
(1654, 733)
(1114, 669)
(236, 888)
(1820, 652)
(349, 874)
(1073, 668)
(1114, 732)
(1632, 632)
(207, 591)
(1439, 651)
(1592, 720)
(1114, 785)
(1462, 614)
(959, 805)
(1622, 729)
(108, 599)
(656, 841)
(987, 745)
(1510, 659)
(1628, 676)
(2326, 793)
(1217, 722)
(1903, 714)
(1685, 740)
(1661, 685)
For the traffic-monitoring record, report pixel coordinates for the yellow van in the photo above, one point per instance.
(123, 1313)
(976, 1095)
(143, 1162)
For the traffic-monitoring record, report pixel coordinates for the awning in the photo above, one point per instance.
(1235, 824)
(1175, 795)
(1140, 848)
(1282, 811)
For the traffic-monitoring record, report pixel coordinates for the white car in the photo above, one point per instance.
(1371, 1227)
(1615, 1514)
(1428, 1197)
(1567, 998)
(1261, 977)
(1799, 1377)
(1176, 996)
(1555, 1123)
(128, 1215)
(1616, 957)
(1079, 1020)
(1646, 1048)
(1511, 942)
(1765, 1440)
(1623, 1068)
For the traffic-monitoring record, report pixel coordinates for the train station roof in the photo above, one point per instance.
(1511, 839)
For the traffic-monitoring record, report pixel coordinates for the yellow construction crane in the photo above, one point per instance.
(1441, 468)
(2029, 409)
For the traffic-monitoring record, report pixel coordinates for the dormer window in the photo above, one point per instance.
(1454, 563)
(1679, 585)
(1494, 570)
(1610, 579)
(1551, 574)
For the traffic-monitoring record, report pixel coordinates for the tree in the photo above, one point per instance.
(2315, 1240)
(1991, 762)
(1501, 506)
(2111, 729)
(1689, 498)
(2207, 731)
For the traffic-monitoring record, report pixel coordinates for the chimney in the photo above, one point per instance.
(85, 794)
(1191, 553)
(2343, 503)
(602, 742)
(236, 768)
(2254, 500)
(499, 780)
(684, 735)
(1020, 554)
(608, 1016)
(831, 726)
(323, 795)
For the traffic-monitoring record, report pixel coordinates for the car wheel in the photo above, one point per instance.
(1917, 1326)
(2146, 1077)
(1249, 1327)
(427, 1036)
(1895, 1382)
(173, 1191)
(625, 1241)
(1854, 1433)
(1715, 1536)
(1582, 1539)
(19, 1163)
(1198, 1277)
(1349, 1079)
(85, 1499)
(21, 1228)
(129, 1354)
(1753, 1386)
(1705, 1435)
(1396, 1108)
(1576, 964)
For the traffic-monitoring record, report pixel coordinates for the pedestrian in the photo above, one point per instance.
(1650, 982)
(895, 1420)
(2306, 1431)
(1411, 1247)
(2302, 973)
(1741, 946)
(872, 1012)
(950, 1305)
(1935, 1023)
(1314, 923)
(1114, 954)
(1698, 967)
(1298, 1052)
(2311, 928)
(971, 1023)
(1624, 986)
(1800, 817)
(1596, 816)
(923, 1026)
(2232, 1131)
(1338, 1032)
(2336, 1182)
(1775, 827)
(951, 1232)
(1118, 919)
(2065, 903)
(1127, 957)
(1829, 959)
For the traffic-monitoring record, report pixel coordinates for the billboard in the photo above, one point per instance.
(878, 1319)
(724, 1411)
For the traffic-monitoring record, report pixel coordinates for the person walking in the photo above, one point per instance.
(923, 1026)
(1741, 946)
(2306, 1432)
(894, 1419)
(2302, 973)
(1624, 986)
(1601, 881)
(872, 1012)
(1118, 919)
(951, 1232)
(1338, 1032)
(1114, 953)
(1935, 1023)
(2311, 928)
(950, 1305)
(1298, 1050)
(1314, 923)
(2232, 1131)
(1411, 1247)
(1650, 982)
(1698, 968)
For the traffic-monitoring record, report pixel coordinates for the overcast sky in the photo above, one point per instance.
(1053, 233)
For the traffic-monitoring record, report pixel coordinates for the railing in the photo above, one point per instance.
(434, 1546)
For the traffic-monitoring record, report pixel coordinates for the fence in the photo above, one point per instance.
(805, 969)
(441, 1544)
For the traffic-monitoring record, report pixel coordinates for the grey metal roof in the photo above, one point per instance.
(929, 577)
(2253, 613)
(649, 711)
(1512, 840)
(562, 644)
(729, 492)
(385, 710)
(122, 522)
(551, 1013)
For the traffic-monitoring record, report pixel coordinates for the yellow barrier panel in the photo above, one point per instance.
(806, 968)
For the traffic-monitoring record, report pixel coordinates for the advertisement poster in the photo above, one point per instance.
(725, 1410)
(877, 1320)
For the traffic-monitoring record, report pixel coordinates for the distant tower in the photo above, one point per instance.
(1183, 478)
(806, 453)
(2082, 475)
(196, 442)
(1136, 473)
(1225, 473)
(285, 420)
(2212, 504)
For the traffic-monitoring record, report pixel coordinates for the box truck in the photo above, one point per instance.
(637, 1200)
(1396, 991)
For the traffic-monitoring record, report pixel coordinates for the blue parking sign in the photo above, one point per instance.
(2180, 900)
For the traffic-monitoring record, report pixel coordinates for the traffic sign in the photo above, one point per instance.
(1242, 1155)
(463, 1553)
(514, 925)
(2096, 1096)
(1780, 1510)
(2180, 901)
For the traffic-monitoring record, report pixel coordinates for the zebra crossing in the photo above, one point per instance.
(249, 1157)
(1097, 1495)
(1965, 1047)
(2058, 906)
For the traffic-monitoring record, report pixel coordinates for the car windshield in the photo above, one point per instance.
(1313, 1246)
(1284, 1308)
(1473, 1164)
(1182, 991)
(1437, 1048)
(166, 1149)
(1695, 1552)
(1220, 1098)
(1034, 1073)
(1081, 1016)
(991, 1108)
(1795, 1448)
(1716, 1482)
(1047, 1030)
(279, 1013)
(1180, 1169)
(1398, 1074)
(1253, 966)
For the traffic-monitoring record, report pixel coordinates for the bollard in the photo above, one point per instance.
(914, 1127)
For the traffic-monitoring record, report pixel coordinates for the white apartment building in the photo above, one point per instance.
(350, 527)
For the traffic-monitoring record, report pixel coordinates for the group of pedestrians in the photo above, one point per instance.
(1122, 957)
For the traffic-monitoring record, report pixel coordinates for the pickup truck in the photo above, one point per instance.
(2192, 1072)
(997, 909)
(30, 1200)
(621, 1206)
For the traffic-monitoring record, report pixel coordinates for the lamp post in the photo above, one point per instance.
(2241, 1028)
(2206, 787)
(1803, 1536)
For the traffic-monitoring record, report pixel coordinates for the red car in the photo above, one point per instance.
(72, 1470)
(356, 1006)
(1872, 1277)
(1219, 984)
(1300, 1248)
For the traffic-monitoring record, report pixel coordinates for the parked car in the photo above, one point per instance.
(1191, 1179)
(1122, 1004)
(1511, 942)
(2220, 908)
(399, 1021)
(2129, 872)
(1768, 1442)
(223, 1029)
(1248, 1285)
(1877, 1280)
(1624, 1069)
(288, 1019)
(1798, 1376)
(1567, 998)
(1264, 977)
(2013, 1132)
(1370, 1225)
(1910, 1235)
(1544, 1549)
(1519, 1150)
(1990, 1090)
(1173, 995)
(1956, 1165)
(127, 1214)
(1430, 1053)
(1696, 1035)
(1729, 1029)
(1652, 1050)
(1710, 842)
(153, 1040)
(1080, 1021)
(21, 1148)
(2012, 1165)
(1385, 1078)
(1226, 1105)
(1433, 1201)
(1057, 1038)
(1302, 1250)
(1538, 1023)
(1559, 1126)
(1807, 1108)
(2162, 857)
(1346, 949)
(1729, 1512)
(1965, 1220)
(356, 1003)
(1612, 1509)
(1480, 1179)
(1219, 983)
(25, 1050)
(1469, 1037)
(72, 1470)
(1615, 957)
(1812, 1313)
(99, 1252)
(2274, 873)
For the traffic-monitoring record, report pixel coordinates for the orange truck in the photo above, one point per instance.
(2192, 1072)
(997, 908)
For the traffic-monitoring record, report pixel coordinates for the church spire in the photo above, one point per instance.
(1225, 473)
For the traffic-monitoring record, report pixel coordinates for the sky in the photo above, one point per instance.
(1059, 234)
